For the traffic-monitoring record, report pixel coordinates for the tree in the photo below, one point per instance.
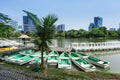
(118, 32)
(112, 33)
(45, 31)
(104, 30)
(17, 34)
(6, 31)
(4, 18)
(72, 33)
(60, 34)
(95, 33)
(28, 33)
(82, 33)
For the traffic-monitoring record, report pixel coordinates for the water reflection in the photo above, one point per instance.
(62, 42)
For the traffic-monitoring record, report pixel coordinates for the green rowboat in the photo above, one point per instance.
(52, 58)
(64, 61)
(98, 62)
(82, 55)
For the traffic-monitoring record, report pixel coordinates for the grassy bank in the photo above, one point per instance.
(83, 75)
(58, 74)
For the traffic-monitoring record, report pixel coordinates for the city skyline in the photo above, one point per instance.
(74, 14)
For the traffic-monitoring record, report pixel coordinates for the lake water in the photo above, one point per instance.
(114, 59)
(62, 42)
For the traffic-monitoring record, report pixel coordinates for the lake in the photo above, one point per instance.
(62, 42)
(114, 59)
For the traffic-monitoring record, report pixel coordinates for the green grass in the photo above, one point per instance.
(14, 66)
(83, 75)
(58, 74)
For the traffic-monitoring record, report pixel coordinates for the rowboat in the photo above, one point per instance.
(82, 63)
(37, 57)
(52, 58)
(13, 57)
(26, 52)
(35, 60)
(23, 60)
(36, 54)
(98, 62)
(82, 55)
(64, 61)
(73, 55)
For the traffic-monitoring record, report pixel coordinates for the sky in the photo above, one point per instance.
(75, 14)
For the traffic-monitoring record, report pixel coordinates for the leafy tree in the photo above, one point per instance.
(95, 33)
(60, 34)
(118, 32)
(17, 34)
(28, 33)
(10, 31)
(4, 18)
(112, 33)
(45, 31)
(104, 30)
(72, 33)
(82, 33)
(6, 31)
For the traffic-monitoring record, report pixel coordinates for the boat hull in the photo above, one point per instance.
(52, 62)
(82, 68)
(99, 65)
(64, 66)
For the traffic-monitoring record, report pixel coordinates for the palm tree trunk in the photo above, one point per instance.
(42, 60)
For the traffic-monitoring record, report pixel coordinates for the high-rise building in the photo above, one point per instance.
(91, 26)
(28, 24)
(61, 27)
(98, 21)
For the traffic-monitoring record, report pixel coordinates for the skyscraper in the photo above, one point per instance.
(28, 24)
(91, 26)
(98, 21)
(61, 27)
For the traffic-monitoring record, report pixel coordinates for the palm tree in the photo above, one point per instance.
(45, 31)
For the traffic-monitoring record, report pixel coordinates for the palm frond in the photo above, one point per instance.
(45, 29)
(35, 19)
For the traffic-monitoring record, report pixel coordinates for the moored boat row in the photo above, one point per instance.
(63, 60)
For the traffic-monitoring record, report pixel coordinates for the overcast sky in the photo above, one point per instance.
(75, 14)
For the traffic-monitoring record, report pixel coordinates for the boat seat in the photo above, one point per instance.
(105, 63)
(94, 59)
